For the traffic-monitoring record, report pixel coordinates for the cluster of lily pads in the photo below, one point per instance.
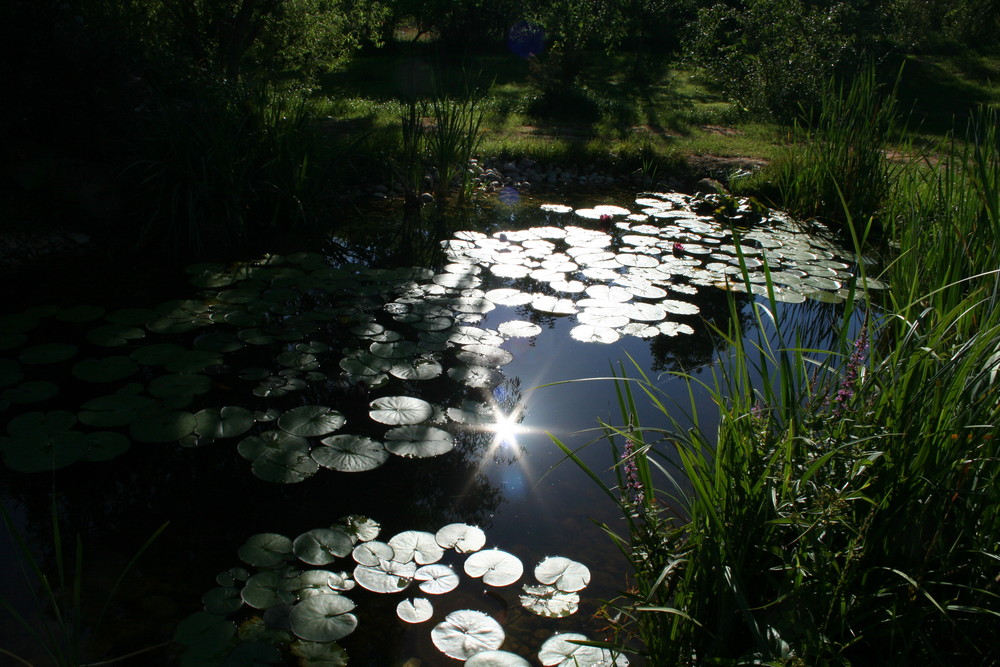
(295, 600)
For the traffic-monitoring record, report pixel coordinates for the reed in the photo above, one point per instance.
(844, 509)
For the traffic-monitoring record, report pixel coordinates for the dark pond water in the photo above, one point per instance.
(345, 422)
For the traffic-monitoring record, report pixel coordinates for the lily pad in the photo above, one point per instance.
(265, 550)
(179, 384)
(397, 410)
(115, 335)
(461, 537)
(268, 589)
(519, 329)
(388, 576)
(350, 453)
(420, 368)
(105, 445)
(311, 420)
(322, 545)
(372, 552)
(33, 391)
(549, 601)
(563, 573)
(496, 567)
(594, 334)
(227, 422)
(496, 659)
(415, 610)
(163, 426)
(465, 633)
(418, 441)
(417, 546)
(436, 579)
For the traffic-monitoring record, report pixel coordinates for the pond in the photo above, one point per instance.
(351, 444)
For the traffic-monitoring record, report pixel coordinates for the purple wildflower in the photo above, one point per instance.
(677, 248)
(634, 490)
(854, 365)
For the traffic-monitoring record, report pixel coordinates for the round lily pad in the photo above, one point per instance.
(461, 537)
(415, 545)
(372, 552)
(268, 589)
(80, 313)
(350, 453)
(436, 579)
(179, 384)
(115, 335)
(415, 610)
(388, 576)
(396, 410)
(33, 391)
(496, 659)
(113, 409)
(265, 550)
(563, 573)
(227, 422)
(323, 618)
(549, 601)
(465, 633)
(418, 441)
(322, 545)
(416, 369)
(311, 420)
(105, 445)
(496, 567)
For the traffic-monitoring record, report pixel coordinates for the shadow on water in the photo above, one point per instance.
(384, 331)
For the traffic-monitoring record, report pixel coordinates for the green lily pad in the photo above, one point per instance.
(268, 589)
(461, 537)
(228, 422)
(17, 323)
(496, 567)
(436, 579)
(205, 635)
(418, 441)
(465, 633)
(415, 545)
(420, 368)
(286, 466)
(323, 618)
(192, 361)
(322, 545)
(10, 372)
(271, 442)
(388, 576)
(157, 354)
(9, 340)
(48, 353)
(565, 574)
(41, 424)
(163, 427)
(108, 369)
(496, 659)
(311, 421)
(350, 453)
(314, 654)
(415, 610)
(396, 410)
(218, 342)
(265, 550)
(223, 600)
(549, 601)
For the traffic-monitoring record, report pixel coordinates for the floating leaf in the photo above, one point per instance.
(323, 618)
(415, 545)
(311, 421)
(388, 576)
(476, 376)
(287, 466)
(484, 355)
(496, 567)
(33, 391)
(465, 633)
(519, 329)
(268, 589)
(415, 610)
(350, 453)
(549, 601)
(115, 335)
(322, 545)
(396, 410)
(179, 384)
(223, 600)
(113, 409)
(418, 441)
(590, 334)
(372, 552)
(228, 422)
(416, 369)
(496, 659)
(105, 445)
(563, 573)
(314, 654)
(265, 550)
(436, 579)
(461, 537)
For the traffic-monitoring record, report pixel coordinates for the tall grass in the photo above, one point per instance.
(846, 509)
(837, 161)
(231, 167)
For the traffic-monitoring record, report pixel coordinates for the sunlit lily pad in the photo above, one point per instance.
(563, 573)
(465, 633)
(415, 610)
(227, 422)
(418, 441)
(461, 537)
(420, 368)
(594, 334)
(549, 601)
(350, 453)
(476, 376)
(310, 421)
(519, 329)
(372, 552)
(416, 545)
(397, 410)
(484, 355)
(436, 579)
(496, 567)
(322, 545)
(388, 576)
(287, 466)
(323, 618)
